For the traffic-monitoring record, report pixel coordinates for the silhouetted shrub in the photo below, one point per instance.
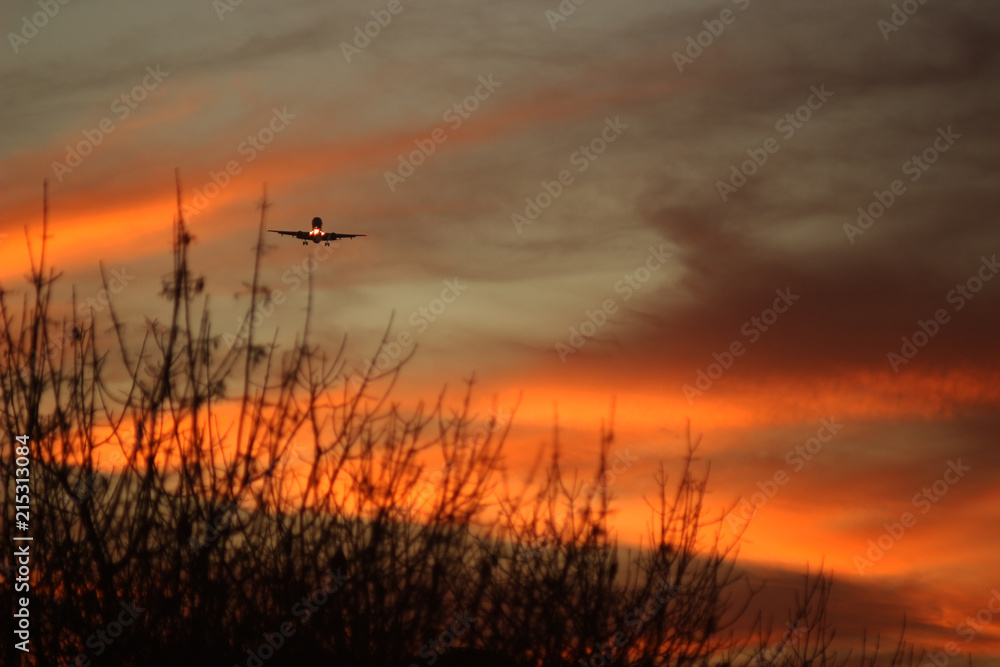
(308, 530)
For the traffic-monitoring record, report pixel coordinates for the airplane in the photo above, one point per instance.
(316, 234)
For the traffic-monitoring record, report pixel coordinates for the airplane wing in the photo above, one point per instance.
(335, 236)
(298, 235)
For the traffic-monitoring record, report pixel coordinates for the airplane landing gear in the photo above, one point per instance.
(327, 243)
(305, 243)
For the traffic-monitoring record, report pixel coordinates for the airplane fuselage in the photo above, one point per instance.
(316, 234)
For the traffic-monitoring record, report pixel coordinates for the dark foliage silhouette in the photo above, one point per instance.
(304, 531)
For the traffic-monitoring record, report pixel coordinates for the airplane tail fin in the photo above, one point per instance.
(317, 223)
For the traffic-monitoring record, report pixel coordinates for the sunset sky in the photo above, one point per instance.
(654, 204)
